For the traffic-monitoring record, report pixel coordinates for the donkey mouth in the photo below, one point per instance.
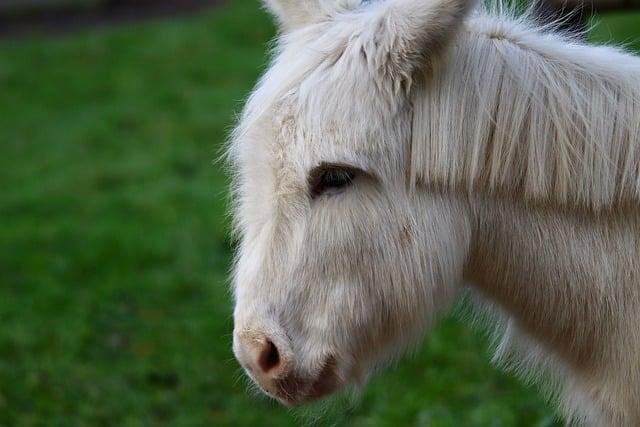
(294, 390)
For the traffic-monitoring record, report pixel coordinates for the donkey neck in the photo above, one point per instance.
(568, 280)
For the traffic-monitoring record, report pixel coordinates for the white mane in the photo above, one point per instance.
(521, 112)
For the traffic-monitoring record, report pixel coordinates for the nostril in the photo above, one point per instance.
(269, 358)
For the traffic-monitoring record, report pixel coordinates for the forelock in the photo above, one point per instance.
(319, 75)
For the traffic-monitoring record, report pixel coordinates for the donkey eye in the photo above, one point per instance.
(337, 179)
(330, 179)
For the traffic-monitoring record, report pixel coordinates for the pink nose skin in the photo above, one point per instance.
(264, 359)
(269, 362)
(265, 362)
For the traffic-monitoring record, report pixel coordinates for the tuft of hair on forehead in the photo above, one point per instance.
(393, 39)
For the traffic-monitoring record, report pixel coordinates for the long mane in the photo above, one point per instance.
(522, 112)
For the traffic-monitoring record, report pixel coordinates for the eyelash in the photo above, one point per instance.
(331, 180)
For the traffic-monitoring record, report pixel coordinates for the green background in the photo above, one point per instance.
(114, 251)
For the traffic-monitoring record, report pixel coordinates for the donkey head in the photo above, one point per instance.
(342, 260)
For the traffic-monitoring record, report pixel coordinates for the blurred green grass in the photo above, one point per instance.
(114, 304)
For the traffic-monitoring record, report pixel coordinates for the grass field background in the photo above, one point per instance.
(114, 304)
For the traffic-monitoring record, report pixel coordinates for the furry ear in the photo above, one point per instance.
(408, 34)
(293, 14)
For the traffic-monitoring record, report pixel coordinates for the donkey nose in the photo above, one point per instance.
(268, 357)
(262, 357)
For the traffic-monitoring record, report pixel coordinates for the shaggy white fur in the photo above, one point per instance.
(545, 117)
(398, 149)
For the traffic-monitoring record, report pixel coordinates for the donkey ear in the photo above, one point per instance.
(294, 13)
(410, 34)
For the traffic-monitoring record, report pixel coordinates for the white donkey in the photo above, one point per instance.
(398, 149)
